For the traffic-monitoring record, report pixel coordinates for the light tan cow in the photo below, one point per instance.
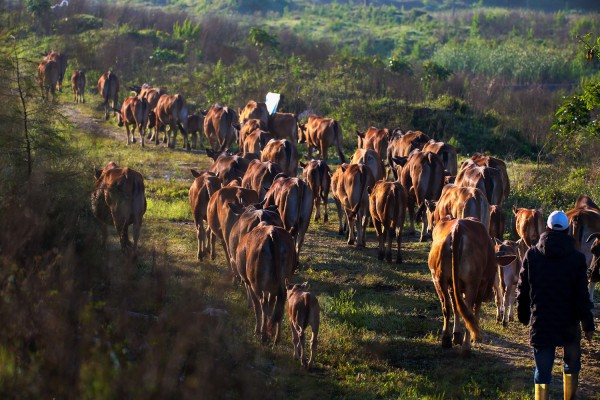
(248, 127)
(374, 139)
(78, 86)
(486, 179)
(284, 153)
(220, 124)
(506, 284)
(354, 197)
(254, 110)
(303, 311)
(387, 204)
(321, 133)
(108, 88)
(134, 112)
(492, 162)
(259, 176)
(463, 267)
(119, 199)
(447, 154)
(171, 111)
(48, 77)
(318, 177)
(265, 259)
(371, 159)
(204, 186)
(256, 141)
(529, 224)
(336, 185)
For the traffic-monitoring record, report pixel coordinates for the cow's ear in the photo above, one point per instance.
(505, 259)
(593, 236)
(303, 165)
(195, 173)
(117, 110)
(203, 112)
(97, 173)
(360, 134)
(236, 125)
(430, 205)
(498, 241)
(515, 209)
(344, 166)
(369, 189)
(304, 285)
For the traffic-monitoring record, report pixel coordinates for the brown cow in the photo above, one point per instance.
(497, 222)
(119, 199)
(486, 179)
(371, 159)
(294, 200)
(321, 133)
(336, 185)
(318, 177)
(463, 267)
(221, 217)
(204, 186)
(259, 176)
(508, 276)
(254, 110)
(594, 266)
(492, 162)
(585, 201)
(256, 141)
(108, 87)
(265, 259)
(78, 86)
(402, 144)
(387, 204)
(446, 152)
(226, 167)
(458, 202)
(219, 126)
(61, 61)
(354, 197)
(171, 111)
(529, 224)
(284, 153)
(247, 128)
(284, 126)
(134, 111)
(374, 139)
(48, 77)
(195, 125)
(423, 178)
(303, 310)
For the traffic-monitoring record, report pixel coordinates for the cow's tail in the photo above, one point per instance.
(390, 202)
(363, 185)
(323, 169)
(489, 186)
(287, 149)
(467, 314)
(337, 130)
(297, 127)
(278, 275)
(105, 89)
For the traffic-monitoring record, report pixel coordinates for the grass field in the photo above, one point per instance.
(380, 323)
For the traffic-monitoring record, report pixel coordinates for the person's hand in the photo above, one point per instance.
(589, 335)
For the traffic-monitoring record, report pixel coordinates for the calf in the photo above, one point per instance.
(119, 198)
(195, 124)
(303, 310)
(265, 259)
(108, 88)
(317, 175)
(78, 86)
(529, 225)
(463, 267)
(387, 204)
(284, 153)
(506, 284)
(259, 176)
(134, 111)
(204, 186)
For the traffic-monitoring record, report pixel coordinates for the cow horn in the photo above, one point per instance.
(593, 236)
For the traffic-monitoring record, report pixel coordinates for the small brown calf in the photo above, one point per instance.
(303, 310)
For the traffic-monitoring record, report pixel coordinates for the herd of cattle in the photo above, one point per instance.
(256, 206)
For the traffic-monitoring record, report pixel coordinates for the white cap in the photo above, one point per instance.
(558, 221)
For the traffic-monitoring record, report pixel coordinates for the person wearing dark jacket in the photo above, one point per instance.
(553, 300)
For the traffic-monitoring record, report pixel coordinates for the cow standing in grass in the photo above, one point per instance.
(108, 88)
(303, 311)
(387, 204)
(318, 177)
(134, 112)
(204, 186)
(78, 86)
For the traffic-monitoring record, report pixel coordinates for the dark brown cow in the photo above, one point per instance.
(254, 110)
(318, 177)
(402, 144)
(48, 77)
(387, 204)
(171, 111)
(219, 126)
(486, 179)
(226, 167)
(585, 201)
(284, 126)
(195, 125)
(108, 87)
(256, 141)
(265, 260)
(458, 202)
(134, 111)
(321, 133)
(221, 216)
(250, 126)
(492, 162)
(463, 267)
(259, 176)
(374, 139)
(61, 61)
(371, 159)
(529, 224)
(497, 222)
(446, 152)
(204, 186)
(336, 185)
(303, 310)
(78, 86)
(284, 153)
(293, 198)
(354, 197)
(508, 276)
(119, 199)
(423, 178)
